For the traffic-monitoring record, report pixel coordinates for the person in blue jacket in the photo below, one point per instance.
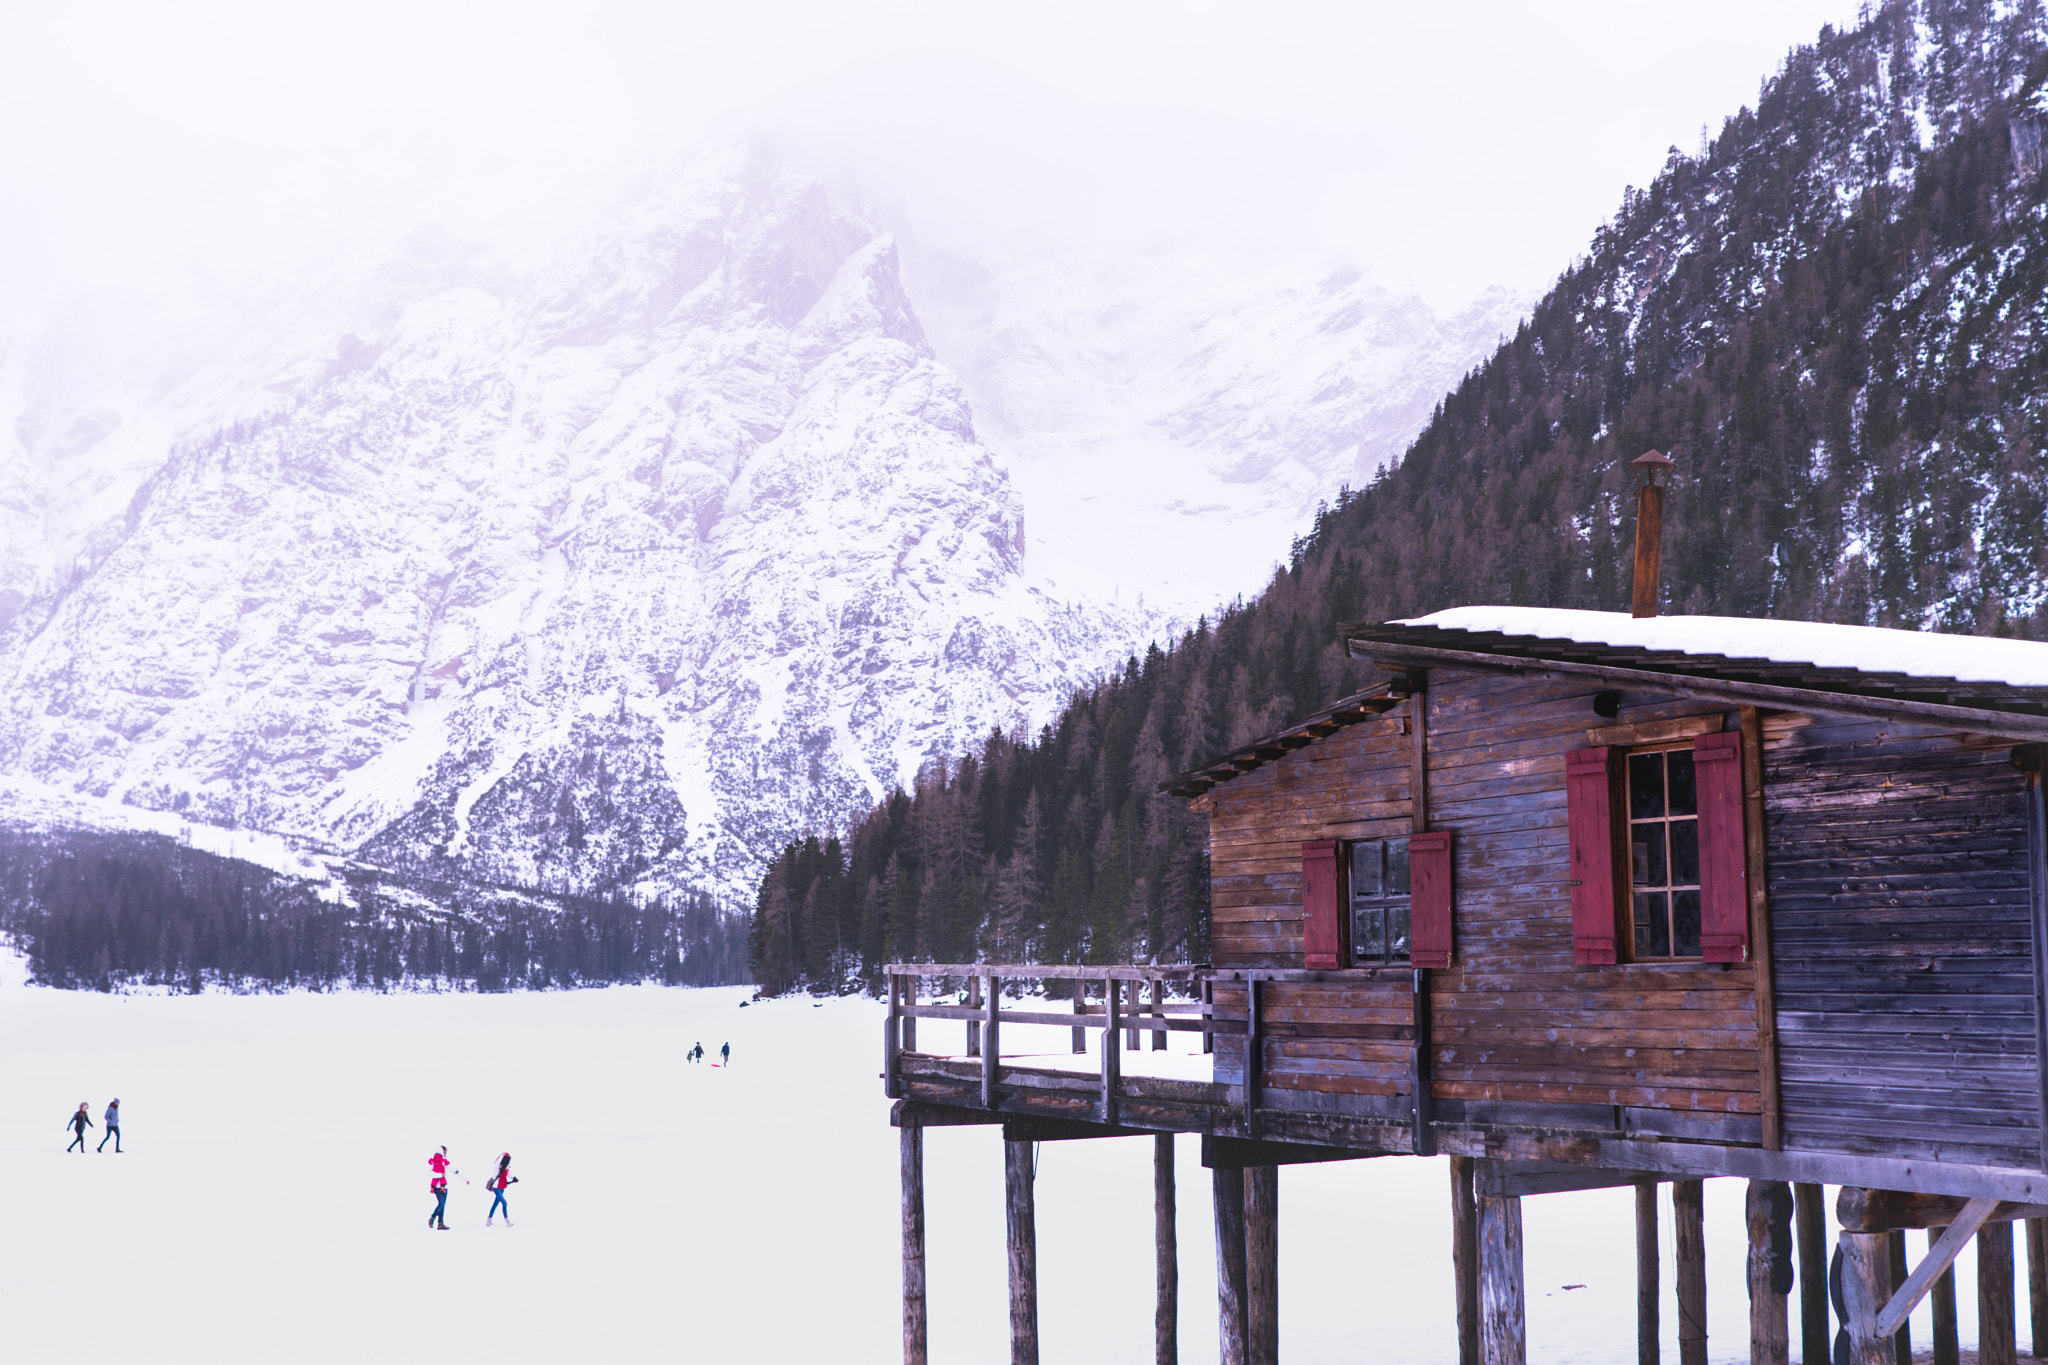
(113, 1128)
(78, 1123)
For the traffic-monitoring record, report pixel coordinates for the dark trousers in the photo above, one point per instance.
(79, 1143)
(114, 1132)
(440, 1213)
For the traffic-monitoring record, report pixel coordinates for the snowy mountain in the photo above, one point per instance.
(637, 556)
(634, 553)
(1147, 401)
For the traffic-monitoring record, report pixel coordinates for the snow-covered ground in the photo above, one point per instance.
(271, 1204)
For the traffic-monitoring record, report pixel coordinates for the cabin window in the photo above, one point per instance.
(1379, 901)
(1664, 853)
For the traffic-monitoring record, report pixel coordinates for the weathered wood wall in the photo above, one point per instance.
(1520, 1033)
(1898, 880)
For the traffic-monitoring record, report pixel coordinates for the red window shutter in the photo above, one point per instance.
(1429, 899)
(1724, 870)
(1322, 905)
(1589, 806)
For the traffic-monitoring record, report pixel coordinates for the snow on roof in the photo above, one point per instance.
(1871, 649)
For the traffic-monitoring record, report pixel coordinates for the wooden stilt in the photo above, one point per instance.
(1902, 1340)
(1943, 1299)
(1503, 1323)
(1228, 1186)
(1810, 1233)
(1866, 1264)
(1768, 1211)
(1465, 1259)
(1021, 1216)
(2037, 1285)
(1995, 1335)
(1262, 1265)
(1648, 1291)
(911, 1148)
(1165, 1255)
(1688, 1221)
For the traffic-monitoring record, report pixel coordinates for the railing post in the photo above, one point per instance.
(1136, 997)
(1110, 1058)
(1207, 994)
(1252, 1056)
(974, 1025)
(1158, 1009)
(892, 1040)
(991, 1041)
(910, 1020)
(1080, 1007)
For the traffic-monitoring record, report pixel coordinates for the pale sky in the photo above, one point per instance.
(151, 150)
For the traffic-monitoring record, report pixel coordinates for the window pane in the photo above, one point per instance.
(1685, 853)
(1684, 795)
(1646, 847)
(1365, 868)
(1368, 934)
(1653, 927)
(1645, 786)
(1397, 933)
(1685, 923)
(1397, 867)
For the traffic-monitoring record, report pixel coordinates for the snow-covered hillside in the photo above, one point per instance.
(641, 549)
(1173, 420)
(639, 554)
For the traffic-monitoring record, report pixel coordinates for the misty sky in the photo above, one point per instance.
(147, 151)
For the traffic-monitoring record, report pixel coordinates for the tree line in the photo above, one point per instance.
(104, 910)
(1839, 333)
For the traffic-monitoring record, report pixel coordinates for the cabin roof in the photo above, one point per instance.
(1996, 686)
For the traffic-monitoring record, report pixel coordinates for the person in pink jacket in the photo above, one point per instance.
(438, 1187)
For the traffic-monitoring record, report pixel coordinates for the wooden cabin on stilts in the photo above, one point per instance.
(1584, 900)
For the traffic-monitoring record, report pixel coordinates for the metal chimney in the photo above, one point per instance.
(1652, 469)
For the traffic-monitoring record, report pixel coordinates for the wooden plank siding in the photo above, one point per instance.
(1902, 944)
(1517, 1027)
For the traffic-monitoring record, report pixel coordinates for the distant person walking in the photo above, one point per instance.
(438, 1187)
(496, 1184)
(78, 1123)
(695, 1054)
(725, 1054)
(113, 1128)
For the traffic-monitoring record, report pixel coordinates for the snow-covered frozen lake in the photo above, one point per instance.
(271, 1204)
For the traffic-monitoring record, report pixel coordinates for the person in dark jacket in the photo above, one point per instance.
(113, 1128)
(78, 1123)
(725, 1054)
(496, 1185)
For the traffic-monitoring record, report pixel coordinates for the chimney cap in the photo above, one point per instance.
(1651, 459)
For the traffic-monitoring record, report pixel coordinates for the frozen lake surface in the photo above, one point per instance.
(272, 1201)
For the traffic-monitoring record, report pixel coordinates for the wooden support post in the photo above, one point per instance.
(1767, 1208)
(991, 1042)
(1648, 1291)
(1080, 1007)
(1503, 1323)
(1262, 1265)
(974, 1025)
(1158, 1008)
(1866, 1268)
(1810, 1233)
(1465, 1259)
(1165, 1256)
(910, 1020)
(1422, 1136)
(1947, 1349)
(1688, 1221)
(1760, 926)
(1112, 1060)
(1135, 1002)
(1902, 1340)
(2037, 1285)
(1996, 1344)
(1021, 1217)
(911, 1146)
(1228, 1187)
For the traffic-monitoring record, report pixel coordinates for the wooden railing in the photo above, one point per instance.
(1123, 1008)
